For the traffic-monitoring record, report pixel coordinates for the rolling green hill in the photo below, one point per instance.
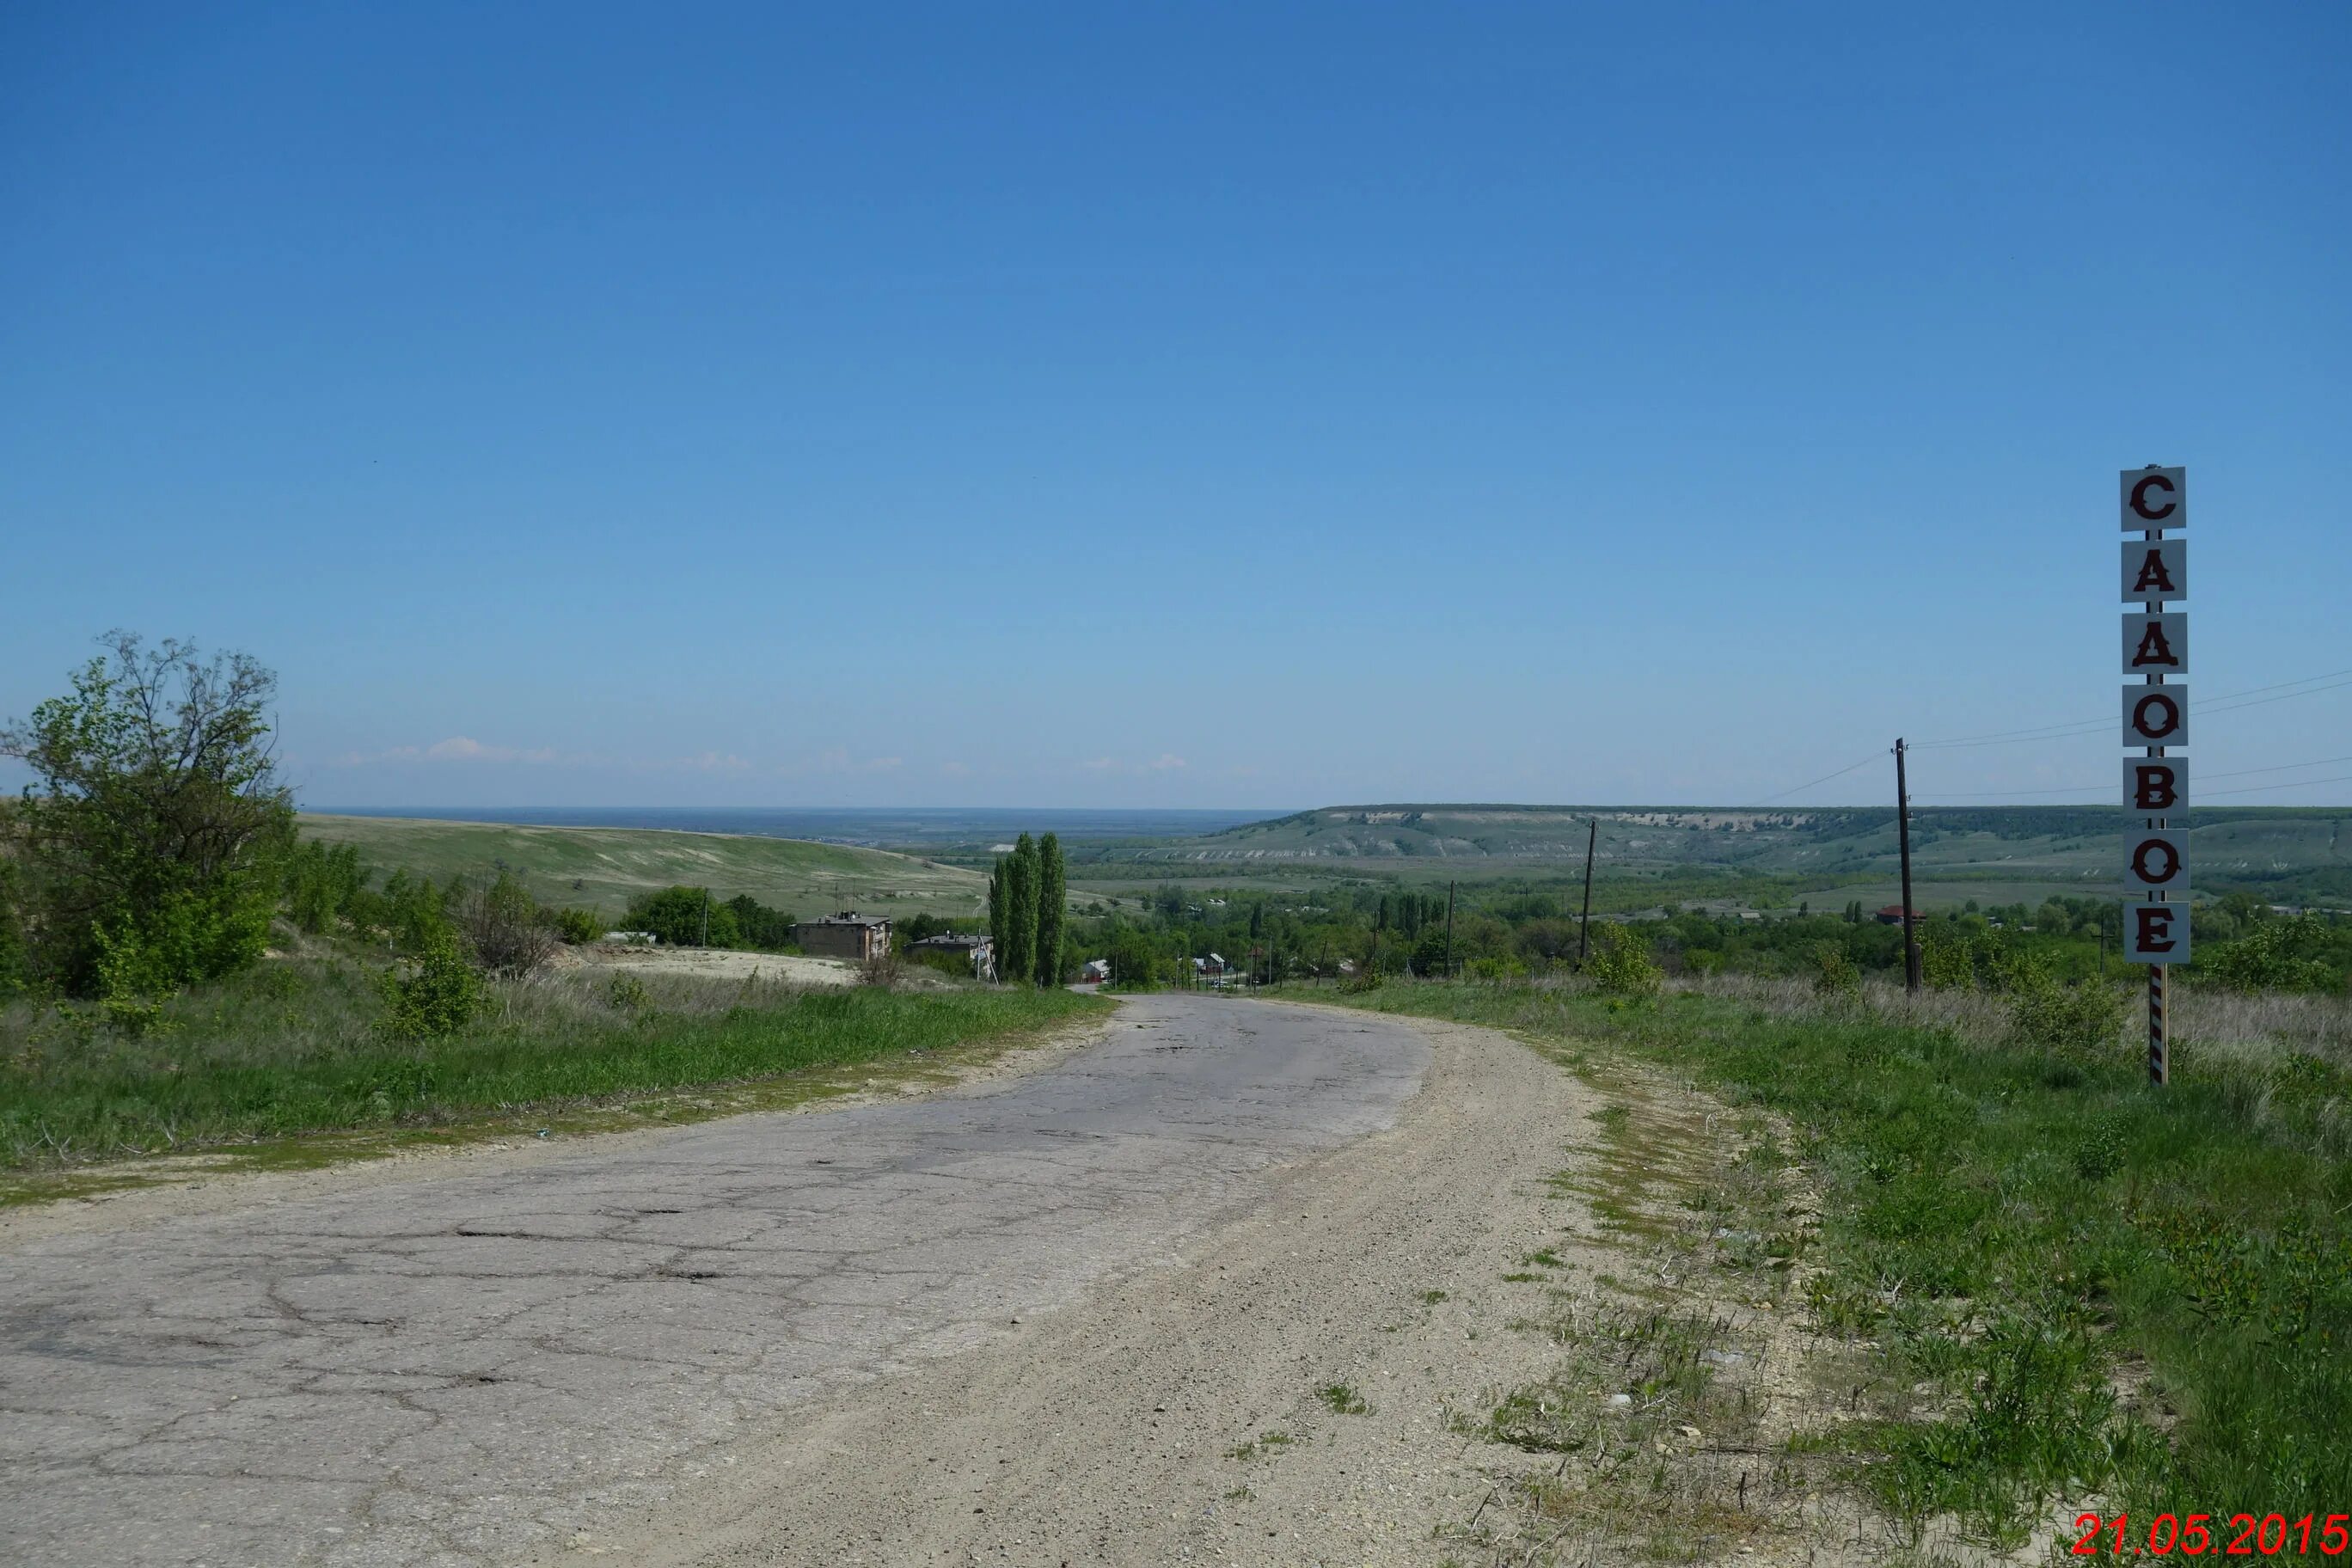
(2290, 853)
(607, 866)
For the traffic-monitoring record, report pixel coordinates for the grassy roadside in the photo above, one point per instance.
(294, 1051)
(2060, 1292)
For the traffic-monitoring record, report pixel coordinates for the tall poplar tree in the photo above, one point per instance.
(1017, 960)
(1000, 916)
(1052, 899)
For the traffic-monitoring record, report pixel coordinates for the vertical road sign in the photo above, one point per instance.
(2154, 573)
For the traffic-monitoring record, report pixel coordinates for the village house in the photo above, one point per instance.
(977, 950)
(848, 934)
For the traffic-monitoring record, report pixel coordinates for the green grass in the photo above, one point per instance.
(605, 868)
(296, 1048)
(1343, 1400)
(2068, 1287)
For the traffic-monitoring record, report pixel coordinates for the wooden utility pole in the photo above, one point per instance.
(1584, 933)
(1903, 838)
(1449, 928)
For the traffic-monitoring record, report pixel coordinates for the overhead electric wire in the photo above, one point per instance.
(2279, 768)
(1822, 779)
(2229, 701)
(2234, 707)
(2053, 731)
(2232, 773)
(2291, 783)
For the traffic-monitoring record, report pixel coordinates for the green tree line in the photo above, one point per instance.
(1028, 913)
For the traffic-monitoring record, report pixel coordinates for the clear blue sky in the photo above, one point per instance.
(1176, 405)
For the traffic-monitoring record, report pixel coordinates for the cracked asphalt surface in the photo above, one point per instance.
(468, 1367)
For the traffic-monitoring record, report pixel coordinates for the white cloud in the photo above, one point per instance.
(466, 749)
(1159, 765)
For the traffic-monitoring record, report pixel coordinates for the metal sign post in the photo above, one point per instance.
(2156, 719)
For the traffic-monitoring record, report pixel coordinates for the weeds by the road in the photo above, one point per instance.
(299, 1046)
(2057, 1287)
(1341, 1400)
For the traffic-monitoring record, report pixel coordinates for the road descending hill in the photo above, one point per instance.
(605, 868)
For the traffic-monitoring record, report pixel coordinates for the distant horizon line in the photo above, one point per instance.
(1271, 814)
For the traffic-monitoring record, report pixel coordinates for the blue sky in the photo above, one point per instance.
(1176, 405)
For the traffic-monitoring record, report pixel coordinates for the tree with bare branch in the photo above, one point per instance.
(152, 835)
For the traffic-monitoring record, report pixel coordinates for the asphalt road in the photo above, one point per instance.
(466, 1367)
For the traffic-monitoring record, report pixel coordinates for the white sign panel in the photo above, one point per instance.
(2156, 645)
(2156, 715)
(2156, 786)
(2155, 569)
(2155, 498)
(2156, 861)
(2156, 933)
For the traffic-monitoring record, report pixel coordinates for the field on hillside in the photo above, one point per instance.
(605, 868)
(1993, 854)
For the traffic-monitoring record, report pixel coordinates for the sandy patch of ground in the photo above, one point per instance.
(710, 963)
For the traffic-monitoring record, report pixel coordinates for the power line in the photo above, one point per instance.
(2229, 701)
(2005, 794)
(2281, 768)
(2206, 708)
(2084, 789)
(2291, 783)
(1822, 779)
(2058, 731)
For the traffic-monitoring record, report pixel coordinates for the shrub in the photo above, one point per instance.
(883, 969)
(1948, 959)
(436, 994)
(2276, 956)
(1833, 972)
(503, 926)
(1622, 965)
(2085, 1017)
(626, 993)
(954, 963)
(577, 926)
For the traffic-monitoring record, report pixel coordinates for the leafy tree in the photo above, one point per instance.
(759, 926)
(1134, 967)
(153, 835)
(411, 911)
(506, 930)
(12, 931)
(685, 917)
(1053, 907)
(321, 883)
